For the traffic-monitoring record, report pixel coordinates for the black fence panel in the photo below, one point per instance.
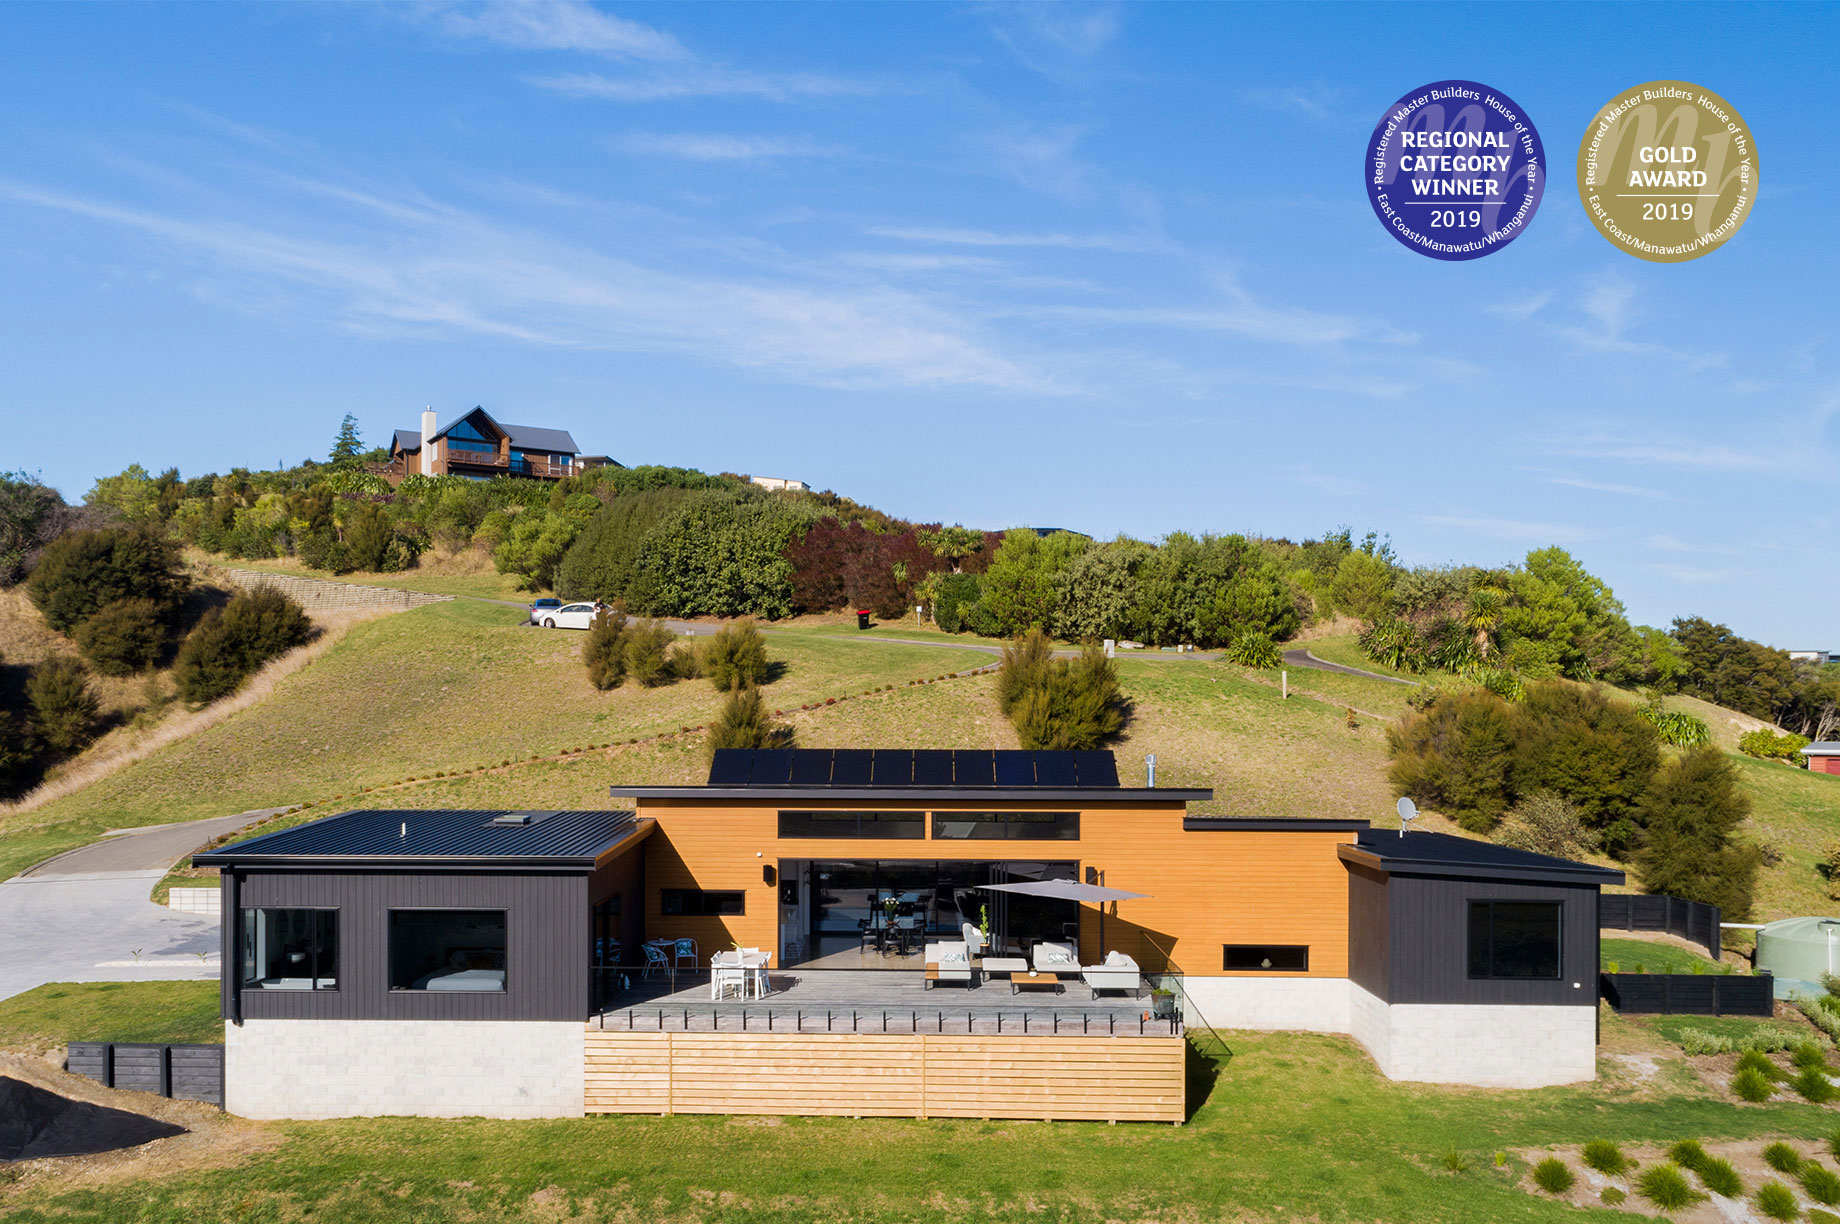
(183, 1072)
(1691, 920)
(1689, 994)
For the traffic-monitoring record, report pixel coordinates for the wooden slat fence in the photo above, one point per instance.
(1693, 920)
(183, 1072)
(904, 1075)
(1690, 994)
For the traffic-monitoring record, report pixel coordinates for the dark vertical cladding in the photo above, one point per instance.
(1428, 952)
(1368, 939)
(623, 876)
(231, 972)
(546, 958)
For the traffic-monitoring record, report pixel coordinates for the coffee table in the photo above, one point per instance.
(1040, 980)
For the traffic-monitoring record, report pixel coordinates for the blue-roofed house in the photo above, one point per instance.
(478, 445)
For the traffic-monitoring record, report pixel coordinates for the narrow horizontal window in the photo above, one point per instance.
(448, 951)
(698, 902)
(1514, 940)
(1266, 958)
(899, 826)
(1006, 826)
(290, 949)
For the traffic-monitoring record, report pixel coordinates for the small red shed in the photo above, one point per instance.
(1824, 757)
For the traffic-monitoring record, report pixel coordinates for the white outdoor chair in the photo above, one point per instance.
(1116, 972)
(1055, 958)
(726, 973)
(974, 938)
(948, 962)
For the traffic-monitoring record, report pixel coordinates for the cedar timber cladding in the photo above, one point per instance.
(1204, 889)
(903, 1075)
(546, 929)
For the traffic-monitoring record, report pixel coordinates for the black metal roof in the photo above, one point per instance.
(443, 836)
(523, 437)
(1273, 824)
(1446, 855)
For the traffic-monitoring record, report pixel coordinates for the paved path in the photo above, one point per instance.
(84, 915)
(1303, 658)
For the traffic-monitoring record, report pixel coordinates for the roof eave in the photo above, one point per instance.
(1279, 824)
(1574, 874)
(1048, 794)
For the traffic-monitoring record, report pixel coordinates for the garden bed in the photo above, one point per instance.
(1623, 1191)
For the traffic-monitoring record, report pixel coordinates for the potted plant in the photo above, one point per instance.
(984, 924)
(1163, 1003)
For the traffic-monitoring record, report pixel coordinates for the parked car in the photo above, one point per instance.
(539, 607)
(568, 616)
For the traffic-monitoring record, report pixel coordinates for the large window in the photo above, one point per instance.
(1266, 958)
(290, 949)
(1007, 826)
(698, 902)
(459, 951)
(1514, 940)
(896, 826)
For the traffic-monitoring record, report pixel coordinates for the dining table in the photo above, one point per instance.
(747, 969)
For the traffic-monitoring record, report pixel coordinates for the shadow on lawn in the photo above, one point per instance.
(1205, 1057)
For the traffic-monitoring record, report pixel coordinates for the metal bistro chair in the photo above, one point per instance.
(683, 950)
(655, 959)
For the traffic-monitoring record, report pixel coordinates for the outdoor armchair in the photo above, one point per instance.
(948, 962)
(1055, 958)
(1116, 972)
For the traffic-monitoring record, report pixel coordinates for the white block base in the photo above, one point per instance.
(425, 1068)
(1487, 1045)
(196, 901)
(1301, 1004)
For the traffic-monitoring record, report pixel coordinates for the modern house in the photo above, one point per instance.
(477, 445)
(1812, 656)
(506, 963)
(1823, 757)
(779, 484)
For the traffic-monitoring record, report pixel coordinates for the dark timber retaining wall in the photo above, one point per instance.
(183, 1072)
(1689, 994)
(1694, 920)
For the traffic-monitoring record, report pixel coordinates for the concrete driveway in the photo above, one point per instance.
(84, 916)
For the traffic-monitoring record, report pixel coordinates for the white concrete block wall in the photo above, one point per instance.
(1310, 1005)
(426, 1068)
(196, 900)
(1488, 1045)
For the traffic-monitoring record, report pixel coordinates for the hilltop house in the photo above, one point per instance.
(477, 445)
(769, 942)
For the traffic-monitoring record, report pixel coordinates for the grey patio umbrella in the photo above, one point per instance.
(1070, 890)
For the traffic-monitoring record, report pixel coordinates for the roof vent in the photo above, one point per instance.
(521, 819)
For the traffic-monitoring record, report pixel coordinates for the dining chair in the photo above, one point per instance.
(682, 951)
(655, 959)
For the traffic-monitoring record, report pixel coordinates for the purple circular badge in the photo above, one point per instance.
(1455, 170)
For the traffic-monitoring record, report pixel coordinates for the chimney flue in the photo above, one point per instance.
(429, 425)
(1150, 769)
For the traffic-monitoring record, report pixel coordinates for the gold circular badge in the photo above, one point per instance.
(1667, 171)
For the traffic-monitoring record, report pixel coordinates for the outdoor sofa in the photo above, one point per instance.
(948, 962)
(1116, 972)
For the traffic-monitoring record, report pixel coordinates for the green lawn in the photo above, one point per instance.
(1294, 1127)
(1642, 956)
(110, 1011)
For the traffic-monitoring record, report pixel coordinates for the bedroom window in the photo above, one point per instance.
(448, 951)
(290, 949)
(1514, 940)
(700, 902)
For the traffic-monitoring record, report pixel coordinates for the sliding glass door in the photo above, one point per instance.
(879, 913)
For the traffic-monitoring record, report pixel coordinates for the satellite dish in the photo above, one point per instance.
(1408, 812)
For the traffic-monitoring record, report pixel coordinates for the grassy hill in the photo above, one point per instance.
(505, 715)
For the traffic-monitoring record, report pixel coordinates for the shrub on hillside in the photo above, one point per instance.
(1691, 816)
(82, 572)
(1681, 730)
(647, 652)
(1553, 1175)
(1752, 1085)
(1545, 824)
(1770, 746)
(1666, 1187)
(744, 723)
(1688, 1154)
(1755, 1059)
(1604, 1156)
(64, 707)
(1718, 1176)
(1057, 703)
(736, 657)
(231, 643)
(604, 650)
(123, 638)
(1821, 1183)
(1255, 649)
(16, 757)
(1775, 1201)
(952, 596)
(1457, 757)
(32, 514)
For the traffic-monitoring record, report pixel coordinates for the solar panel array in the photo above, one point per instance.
(912, 767)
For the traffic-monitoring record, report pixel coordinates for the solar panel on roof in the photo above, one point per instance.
(851, 767)
(893, 767)
(772, 766)
(1096, 768)
(730, 767)
(1055, 769)
(1015, 768)
(932, 767)
(811, 767)
(976, 767)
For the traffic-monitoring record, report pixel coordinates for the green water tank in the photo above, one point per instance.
(1799, 951)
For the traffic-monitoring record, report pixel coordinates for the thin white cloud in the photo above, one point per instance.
(1605, 486)
(700, 81)
(1662, 452)
(1517, 530)
(1323, 482)
(1136, 244)
(556, 25)
(1523, 309)
(1610, 307)
(715, 147)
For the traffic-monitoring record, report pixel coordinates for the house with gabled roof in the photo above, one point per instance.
(479, 445)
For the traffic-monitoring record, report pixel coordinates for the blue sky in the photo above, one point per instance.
(1110, 268)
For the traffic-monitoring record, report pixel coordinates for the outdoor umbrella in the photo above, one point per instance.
(1070, 890)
